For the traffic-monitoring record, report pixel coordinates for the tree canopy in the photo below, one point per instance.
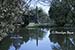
(62, 11)
(12, 11)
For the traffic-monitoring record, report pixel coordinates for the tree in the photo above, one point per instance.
(62, 11)
(39, 15)
(12, 11)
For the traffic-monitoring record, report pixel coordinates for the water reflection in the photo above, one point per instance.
(66, 41)
(38, 39)
(17, 41)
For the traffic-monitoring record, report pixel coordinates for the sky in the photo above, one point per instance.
(45, 7)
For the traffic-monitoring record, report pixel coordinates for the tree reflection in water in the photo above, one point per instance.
(43, 38)
(66, 41)
(17, 42)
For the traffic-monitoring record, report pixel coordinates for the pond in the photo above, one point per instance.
(38, 39)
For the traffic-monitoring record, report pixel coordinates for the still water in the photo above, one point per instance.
(38, 39)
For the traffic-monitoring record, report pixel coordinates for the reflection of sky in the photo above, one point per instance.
(44, 44)
(12, 47)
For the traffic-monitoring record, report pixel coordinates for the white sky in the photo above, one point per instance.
(45, 8)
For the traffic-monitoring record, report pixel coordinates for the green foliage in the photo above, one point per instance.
(11, 11)
(41, 16)
(62, 12)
